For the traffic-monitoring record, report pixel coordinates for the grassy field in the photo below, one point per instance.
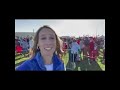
(83, 65)
(20, 59)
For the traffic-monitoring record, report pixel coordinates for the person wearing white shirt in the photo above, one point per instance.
(74, 50)
(49, 67)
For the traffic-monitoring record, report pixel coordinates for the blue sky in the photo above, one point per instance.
(63, 27)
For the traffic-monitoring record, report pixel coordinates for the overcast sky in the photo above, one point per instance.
(63, 27)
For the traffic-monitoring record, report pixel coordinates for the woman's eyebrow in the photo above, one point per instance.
(42, 35)
(46, 34)
(52, 35)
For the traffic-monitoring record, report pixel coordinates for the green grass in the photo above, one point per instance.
(100, 64)
(85, 65)
(18, 57)
(20, 60)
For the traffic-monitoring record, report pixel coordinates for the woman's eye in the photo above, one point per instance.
(43, 38)
(51, 37)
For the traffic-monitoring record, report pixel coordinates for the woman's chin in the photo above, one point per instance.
(48, 54)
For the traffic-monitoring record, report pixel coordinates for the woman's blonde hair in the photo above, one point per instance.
(58, 50)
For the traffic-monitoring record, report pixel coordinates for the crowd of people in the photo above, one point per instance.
(23, 45)
(89, 46)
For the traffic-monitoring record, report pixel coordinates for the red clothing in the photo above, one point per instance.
(93, 38)
(91, 44)
(65, 46)
(94, 54)
(78, 41)
(18, 49)
(91, 52)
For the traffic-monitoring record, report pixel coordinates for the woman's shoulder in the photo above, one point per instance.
(26, 66)
(61, 67)
(60, 64)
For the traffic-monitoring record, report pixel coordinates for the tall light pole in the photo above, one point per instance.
(33, 32)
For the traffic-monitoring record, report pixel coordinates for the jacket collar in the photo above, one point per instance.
(56, 61)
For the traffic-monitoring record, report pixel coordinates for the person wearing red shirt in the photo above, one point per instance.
(64, 48)
(91, 46)
(78, 41)
(19, 49)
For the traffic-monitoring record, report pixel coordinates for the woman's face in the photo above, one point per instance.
(47, 42)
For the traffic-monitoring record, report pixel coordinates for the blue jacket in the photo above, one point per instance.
(37, 64)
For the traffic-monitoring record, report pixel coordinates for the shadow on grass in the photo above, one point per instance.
(85, 65)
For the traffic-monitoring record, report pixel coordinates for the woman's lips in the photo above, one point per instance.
(48, 49)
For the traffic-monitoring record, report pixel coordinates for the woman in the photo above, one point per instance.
(46, 52)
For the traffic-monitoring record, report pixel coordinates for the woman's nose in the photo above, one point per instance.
(48, 41)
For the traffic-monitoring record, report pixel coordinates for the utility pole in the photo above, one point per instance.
(33, 32)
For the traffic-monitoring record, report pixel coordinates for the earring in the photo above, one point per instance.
(37, 47)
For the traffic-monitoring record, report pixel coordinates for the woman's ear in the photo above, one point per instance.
(38, 46)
